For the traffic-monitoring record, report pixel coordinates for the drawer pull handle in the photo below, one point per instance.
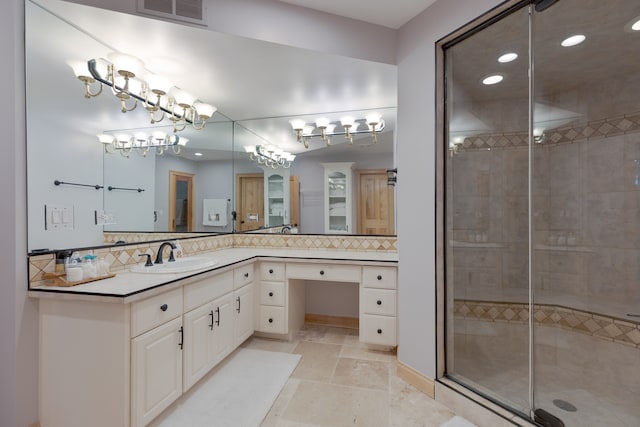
(270, 294)
(379, 302)
(379, 277)
(322, 272)
(271, 271)
(246, 275)
(379, 331)
(164, 307)
(270, 320)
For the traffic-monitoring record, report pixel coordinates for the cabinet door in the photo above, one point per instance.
(243, 312)
(156, 371)
(198, 339)
(222, 345)
(276, 197)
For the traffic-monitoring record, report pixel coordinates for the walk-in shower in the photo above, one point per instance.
(541, 220)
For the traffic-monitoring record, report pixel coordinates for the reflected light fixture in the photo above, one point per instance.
(270, 156)
(141, 143)
(573, 40)
(324, 128)
(131, 83)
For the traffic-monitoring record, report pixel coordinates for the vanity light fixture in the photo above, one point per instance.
(130, 82)
(573, 40)
(324, 128)
(636, 26)
(142, 143)
(270, 156)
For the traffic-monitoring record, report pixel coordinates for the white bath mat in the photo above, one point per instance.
(237, 394)
(458, 422)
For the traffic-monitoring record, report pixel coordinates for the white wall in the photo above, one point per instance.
(416, 175)
(18, 314)
(133, 210)
(214, 180)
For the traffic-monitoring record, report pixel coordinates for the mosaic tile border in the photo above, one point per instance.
(121, 258)
(597, 325)
(303, 241)
(629, 123)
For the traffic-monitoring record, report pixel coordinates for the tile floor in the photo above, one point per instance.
(340, 382)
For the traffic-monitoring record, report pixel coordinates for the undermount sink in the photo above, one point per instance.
(181, 265)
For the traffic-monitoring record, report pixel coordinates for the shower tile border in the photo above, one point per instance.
(608, 328)
(603, 128)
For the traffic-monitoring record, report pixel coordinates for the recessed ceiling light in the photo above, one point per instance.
(633, 25)
(197, 154)
(492, 79)
(508, 57)
(573, 40)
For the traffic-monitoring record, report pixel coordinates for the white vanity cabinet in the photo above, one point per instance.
(271, 312)
(339, 203)
(277, 198)
(244, 306)
(208, 325)
(156, 371)
(378, 306)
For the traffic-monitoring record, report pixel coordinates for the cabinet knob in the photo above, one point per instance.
(379, 331)
(270, 294)
(270, 320)
(246, 275)
(322, 272)
(164, 307)
(379, 277)
(379, 302)
(271, 271)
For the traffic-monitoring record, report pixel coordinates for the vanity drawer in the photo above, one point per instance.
(154, 311)
(272, 271)
(272, 293)
(334, 273)
(242, 276)
(378, 301)
(205, 290)
(271, 319)
(379, 330)
(380, 277)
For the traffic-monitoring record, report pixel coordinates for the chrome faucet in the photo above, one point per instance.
(161, 248)
(286, 229)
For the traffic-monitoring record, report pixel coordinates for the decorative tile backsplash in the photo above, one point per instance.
(123, 257)
(584, 322)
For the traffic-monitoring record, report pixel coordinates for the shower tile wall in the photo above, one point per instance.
(586, 214)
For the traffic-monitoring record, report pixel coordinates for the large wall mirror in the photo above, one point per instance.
(195, 190)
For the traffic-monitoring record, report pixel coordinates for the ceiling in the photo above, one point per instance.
(245, 79)
(379, 12)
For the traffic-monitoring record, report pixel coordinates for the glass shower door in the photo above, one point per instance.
(586, 210)
(486, 211)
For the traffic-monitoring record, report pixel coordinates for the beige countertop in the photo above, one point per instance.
(127, 287)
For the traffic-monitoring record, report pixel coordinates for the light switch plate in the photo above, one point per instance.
(58, 217)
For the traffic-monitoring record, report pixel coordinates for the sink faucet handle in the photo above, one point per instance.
(148, 263)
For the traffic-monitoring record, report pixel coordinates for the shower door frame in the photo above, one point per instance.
(463, 32)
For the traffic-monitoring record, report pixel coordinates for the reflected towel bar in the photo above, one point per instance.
(96, 186)
(139, 190)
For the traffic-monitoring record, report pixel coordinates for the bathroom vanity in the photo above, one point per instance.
(119, 351)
